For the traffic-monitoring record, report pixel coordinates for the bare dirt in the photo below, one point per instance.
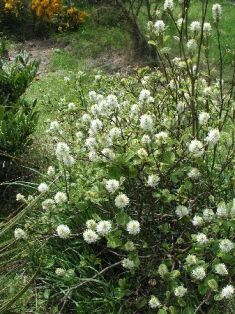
(37, 49)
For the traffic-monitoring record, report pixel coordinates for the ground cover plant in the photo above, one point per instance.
(135, 213)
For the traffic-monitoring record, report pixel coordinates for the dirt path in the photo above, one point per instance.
(38, 49)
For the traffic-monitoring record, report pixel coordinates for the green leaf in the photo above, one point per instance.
(114, 239)
(122, 218)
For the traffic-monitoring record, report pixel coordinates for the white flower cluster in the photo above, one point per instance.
(221, 269)
(43, 188)
(112, 186)
(181, 211)
(168, 5)
(213, 137)
(196, 148)
(20, 234)
(159, 27)
(121, 201)
(153, 180)
(63, 154)
(146, 122)
(128, 263)
(133, 227)
(199, 273)
(227, 292)
(180, 291)
(63, 231)
(226, 245)
(216, 12)
(154, 302)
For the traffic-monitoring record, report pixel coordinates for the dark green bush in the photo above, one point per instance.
(17, 116)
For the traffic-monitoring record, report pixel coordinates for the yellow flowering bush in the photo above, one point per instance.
(45, 9)
(71, 18)
(12, 6)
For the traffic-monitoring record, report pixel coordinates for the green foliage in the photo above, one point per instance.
(17, 116)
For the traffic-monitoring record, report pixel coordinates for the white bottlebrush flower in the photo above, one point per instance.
(197, 221)
(92, 95)
(63, 231)
(207, 28)
(98, 77)
(180, 22)
(196, 148)
(146, 122)
(133, 227)
(108, 153)
(199, 273)
(221, 269)
(134, 110)
(222, 210)
(201, 238)
(128, 263)
(194, 174)
(96, 125)
(227, 292)
(181, 211)
(168, 5)
(86, 118)
(114, 133)
(153, 180)
(216, 12)
(226, 245)
(203, 117)
(154, 302)
(159, 27)
(192, 45)
(62, 150)
(66, 79)
(144, 95)
(90, 143)
(79, 135)
(180, 291)
(60, 272)
(20, 234)
(213, 137)
(48, 203)
(43, 187)
(161, 137)
(142, 153)
(145, 139)
(51, 171)
(121, 201)
(60, 198)
(54, 126)
(112, 101)
(20, 197)
(72, 106)
(91, 224)
(208, 214)
(191, 259)
(195, 26)
(104, 227)
(68, 160)
(112, 186)
(90, 236)
(92, 156)
(162, 270)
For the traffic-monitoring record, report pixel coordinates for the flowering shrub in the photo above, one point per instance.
(140, 195)
(71, 18)
(13, 6)
(46, 9)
